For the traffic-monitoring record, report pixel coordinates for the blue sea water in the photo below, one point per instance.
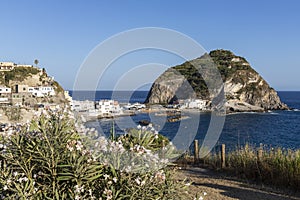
(274, 129)
(121, 96)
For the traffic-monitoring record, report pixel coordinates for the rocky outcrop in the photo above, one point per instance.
(169, 87)
(244, 88)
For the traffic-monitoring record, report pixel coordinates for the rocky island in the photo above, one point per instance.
(245, 89)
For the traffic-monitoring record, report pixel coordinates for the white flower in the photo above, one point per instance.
(79, 189)
(79, 146)
(70, 148)
(108, 193)
(106, 176)
(160, 176)
(137, 180)
(204, 193)
(128, 169)
(5, 187)
(139, 127)
(187, 184)
(115, 179)
(15, 173)
(102, 144)
(77, 197)
(84, 152)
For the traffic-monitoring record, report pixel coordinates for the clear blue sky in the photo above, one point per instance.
(60, 34)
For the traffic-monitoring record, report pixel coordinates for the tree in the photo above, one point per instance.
(36, 62)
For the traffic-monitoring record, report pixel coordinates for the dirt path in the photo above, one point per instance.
(220, 187)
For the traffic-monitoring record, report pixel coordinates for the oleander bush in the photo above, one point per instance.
(55, 157)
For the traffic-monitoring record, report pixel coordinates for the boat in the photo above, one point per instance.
(144, 122)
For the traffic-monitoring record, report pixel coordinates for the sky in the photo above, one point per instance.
(62, 34)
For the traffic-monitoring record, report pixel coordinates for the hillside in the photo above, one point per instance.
(28, 76)
(245, 89)
(31, 77)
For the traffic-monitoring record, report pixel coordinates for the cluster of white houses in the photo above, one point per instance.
(109, 108)
(194, 104)
(104, 108)
(16, 95)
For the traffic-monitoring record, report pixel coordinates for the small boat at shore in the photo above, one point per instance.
(144, 122)
(176, 118)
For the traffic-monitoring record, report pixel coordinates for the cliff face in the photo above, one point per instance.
(244, 88)
(169, 87)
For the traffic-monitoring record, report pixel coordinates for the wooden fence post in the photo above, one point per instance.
(259, 154)
(196, 148)
(223, 156)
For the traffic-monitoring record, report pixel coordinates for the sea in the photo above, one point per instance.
(271, 129)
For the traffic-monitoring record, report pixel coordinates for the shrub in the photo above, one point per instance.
(55, 158)
(19, 73)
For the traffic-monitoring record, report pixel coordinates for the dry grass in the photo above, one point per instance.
(278, 167)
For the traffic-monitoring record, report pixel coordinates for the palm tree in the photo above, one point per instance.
(36, 62)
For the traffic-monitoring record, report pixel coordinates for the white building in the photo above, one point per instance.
(195, 104)
(7, 66)
(235, 60)
(67, 96)
(3, 100)
(135, 106)
(5, 90)
(108, 107)
(82, 106)
(24, 65)
(41, 91)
